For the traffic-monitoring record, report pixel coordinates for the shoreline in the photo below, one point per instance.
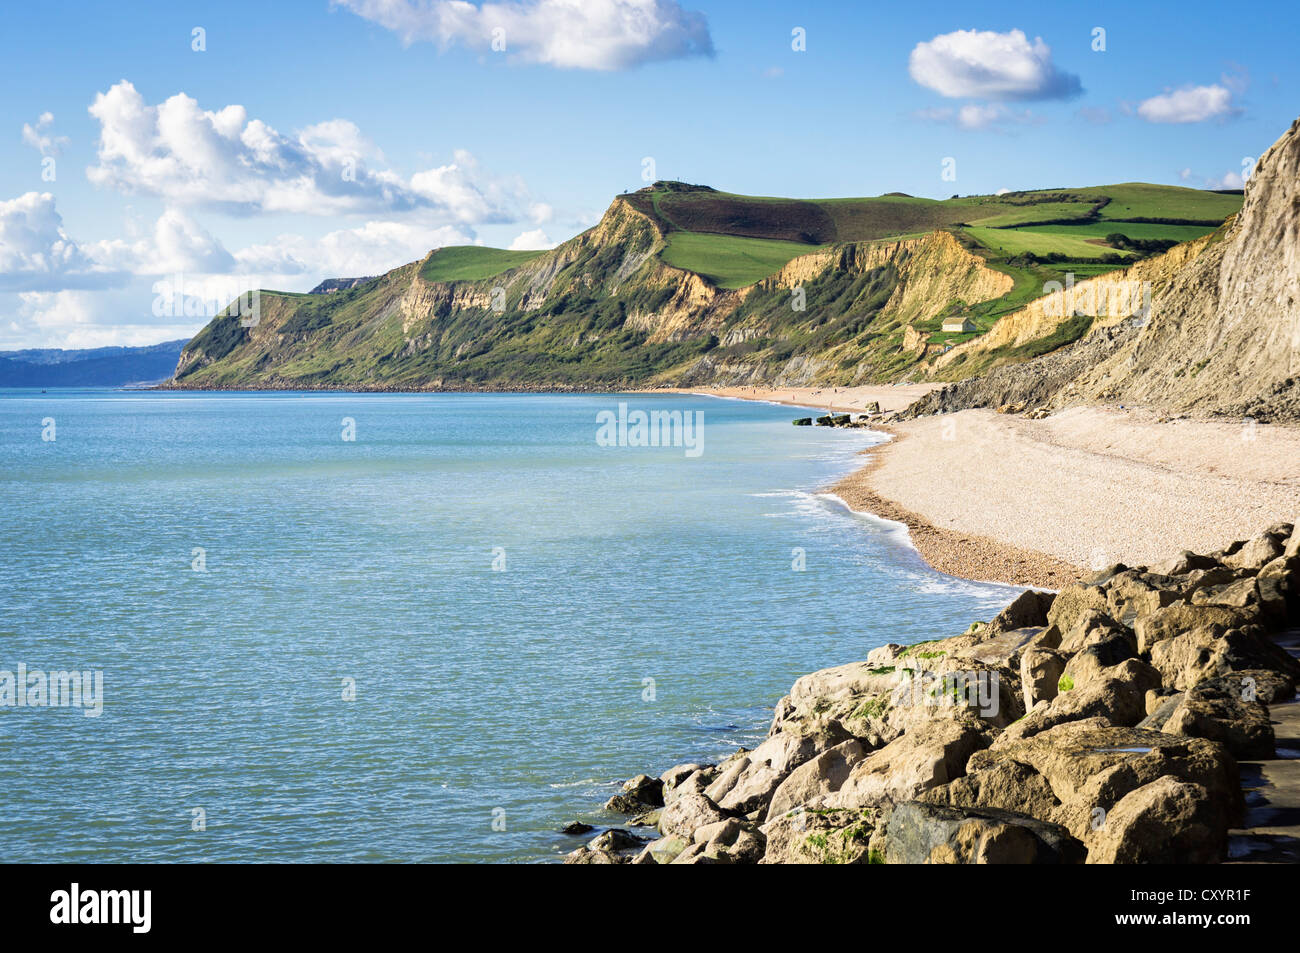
(966, 556)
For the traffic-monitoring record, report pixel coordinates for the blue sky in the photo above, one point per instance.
(234, 160)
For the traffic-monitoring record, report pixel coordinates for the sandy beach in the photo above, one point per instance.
(892, 398)
(1045, 502)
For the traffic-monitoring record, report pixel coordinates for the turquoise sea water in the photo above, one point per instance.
(491, 705)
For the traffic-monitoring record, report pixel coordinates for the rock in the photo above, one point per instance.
(1257, 553)
(1091, 626)
(692, 783)
(679, 773)
(576, 828)
(1279, 588)
(615, 839)
(803, 422)
(829, 837)
(686, 813)
(823, 774)
(648, 819)
(934, 753)
(1159, 713)
(1088, 767)
(662, 851)
(1040, 673)
(731, 840)
(1096, 659)
(1118, 696)
(1226, 710)
(622, 804)
(1239, 594)
(748, 784)
(1174, 620)
(649, 791)
(1196, 655)
(924, 833)
(1183, 563)
(1029, 609)
(1165, 822)
(1071, 602)
(1133, 593)
(585, 856)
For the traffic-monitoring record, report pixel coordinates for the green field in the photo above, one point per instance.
(472, 262)
(729, 261)
(1045, 240)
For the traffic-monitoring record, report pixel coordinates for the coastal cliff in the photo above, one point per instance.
(1217, 331)
(1105, 723)
(601, 310)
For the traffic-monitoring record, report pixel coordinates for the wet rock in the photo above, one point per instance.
(615, 839)
(922, 833)
(576, 828)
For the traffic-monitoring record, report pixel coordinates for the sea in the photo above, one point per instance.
(339, 627)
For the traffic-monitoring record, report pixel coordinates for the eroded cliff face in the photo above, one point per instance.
(1224, 335)
(601, 310)
(1221, 335)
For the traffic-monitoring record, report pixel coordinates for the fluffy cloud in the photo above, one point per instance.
(531, 240)
(36, 254)
(1188, 104)
(189, 156)
(974, 64)
(178, 243)
(41, 138)
(76, 319)
(571, 34)
(371, 249)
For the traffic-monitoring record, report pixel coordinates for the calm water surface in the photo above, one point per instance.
(519, 696)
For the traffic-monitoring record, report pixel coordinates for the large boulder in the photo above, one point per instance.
(1090, 627)
(821, 837)
(1199, 654)
(823, 774)
(1029, 609)
(1072, 601)
(730, 841)
(749, 782)
(1097, 660)
(1227, 710)
(923, 833)
(1133, 593)
(1257, 553)
(1089, 767)
(1118, 696)
(1164, 822)
(686, 779)
(932, 754)
(686, 814)
(1172, 621)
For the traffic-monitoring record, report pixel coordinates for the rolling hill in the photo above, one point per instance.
(683, 284)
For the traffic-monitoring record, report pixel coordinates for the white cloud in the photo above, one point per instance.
(1188, 104)
(37, 254)
(974, 64)
(77, 319)
(570, 34)
(41, 138)
(372, 249)
(178, 243)
(221, 159)
(528, 241)
(1229, 180)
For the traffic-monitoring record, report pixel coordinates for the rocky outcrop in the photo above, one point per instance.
(962, 750)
